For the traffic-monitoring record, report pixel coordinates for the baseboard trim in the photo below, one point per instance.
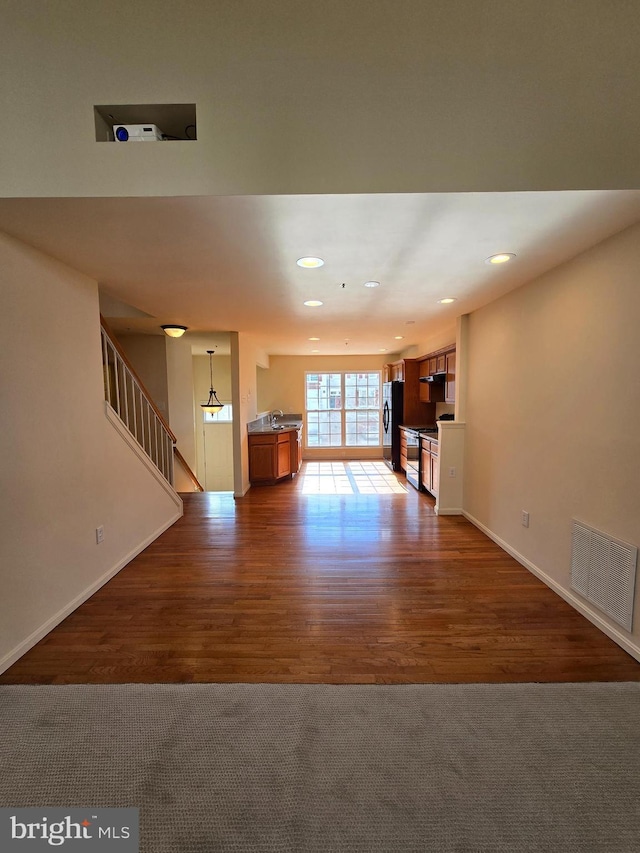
(450, 511)
(22, 648)
(593, 617)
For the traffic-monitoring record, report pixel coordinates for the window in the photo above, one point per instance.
(224, 416)
(343, 409)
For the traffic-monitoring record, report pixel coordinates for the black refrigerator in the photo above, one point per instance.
(392, 414)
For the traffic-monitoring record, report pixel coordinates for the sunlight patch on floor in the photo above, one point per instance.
(350, 478)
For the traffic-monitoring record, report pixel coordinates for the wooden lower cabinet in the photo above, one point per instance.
(296, 451)
(274, 456)
(435, 469)
(429, 469)
(403, 451)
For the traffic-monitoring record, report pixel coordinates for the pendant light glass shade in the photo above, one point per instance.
(212, 405)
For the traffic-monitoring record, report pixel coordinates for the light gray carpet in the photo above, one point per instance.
(534, 767)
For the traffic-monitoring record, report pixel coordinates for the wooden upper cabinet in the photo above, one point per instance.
(433, 366)
(441, 363)
(432, 392)
(396, 371)
(450, 384)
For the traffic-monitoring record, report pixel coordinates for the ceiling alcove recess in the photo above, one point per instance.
(177, 122)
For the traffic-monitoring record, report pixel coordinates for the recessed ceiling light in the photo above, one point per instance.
(313, 303)
(310, 263)
(314, 339)
(372, 284)
(382, 350)
(447, 300)
(315, 350)
(399, 337)
(501, 258)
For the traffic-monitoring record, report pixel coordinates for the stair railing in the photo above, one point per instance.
(131, 401)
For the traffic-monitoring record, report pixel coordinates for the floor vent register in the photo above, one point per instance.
(603, 570)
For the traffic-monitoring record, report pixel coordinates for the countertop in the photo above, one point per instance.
(430, 432)
(287, 426)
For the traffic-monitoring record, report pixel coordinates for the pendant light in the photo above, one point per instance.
(212, 405)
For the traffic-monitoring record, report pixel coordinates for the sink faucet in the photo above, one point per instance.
(275, 414)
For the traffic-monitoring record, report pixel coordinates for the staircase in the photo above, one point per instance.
(129, 399)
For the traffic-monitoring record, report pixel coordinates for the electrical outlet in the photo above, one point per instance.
(99, 534)
(525, 518)
(452, 472)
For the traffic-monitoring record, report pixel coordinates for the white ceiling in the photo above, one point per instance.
(219, 264)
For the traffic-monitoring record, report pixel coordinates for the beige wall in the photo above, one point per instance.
(214, 442)
(293, 96)
(442, 338)
(180, 393)
(282, 387)
(553, 408)
(148, 357)
(246, 358)
(65, 469)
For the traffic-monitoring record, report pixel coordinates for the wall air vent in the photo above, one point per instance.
(603, 570)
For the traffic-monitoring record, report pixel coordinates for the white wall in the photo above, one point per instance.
(296, 96)
(65, 469)
(553, 409)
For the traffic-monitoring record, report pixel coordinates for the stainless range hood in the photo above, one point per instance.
(435, 377)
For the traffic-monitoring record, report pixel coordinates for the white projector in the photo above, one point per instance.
(136, 133)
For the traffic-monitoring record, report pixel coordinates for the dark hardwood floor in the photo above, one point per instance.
(294, 584)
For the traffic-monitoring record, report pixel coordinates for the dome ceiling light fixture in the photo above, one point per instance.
(174, 331)
(212, 405)
(500, 258)
(372, 284)
(313, 303)
(310, 263)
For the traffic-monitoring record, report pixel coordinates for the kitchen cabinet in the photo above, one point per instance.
(429, 467)
(441, 361)
(271, 455)
(432, 392)
(403, 451)
(296, 450)
(396, 371)
(414, 410)
(450, 383)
